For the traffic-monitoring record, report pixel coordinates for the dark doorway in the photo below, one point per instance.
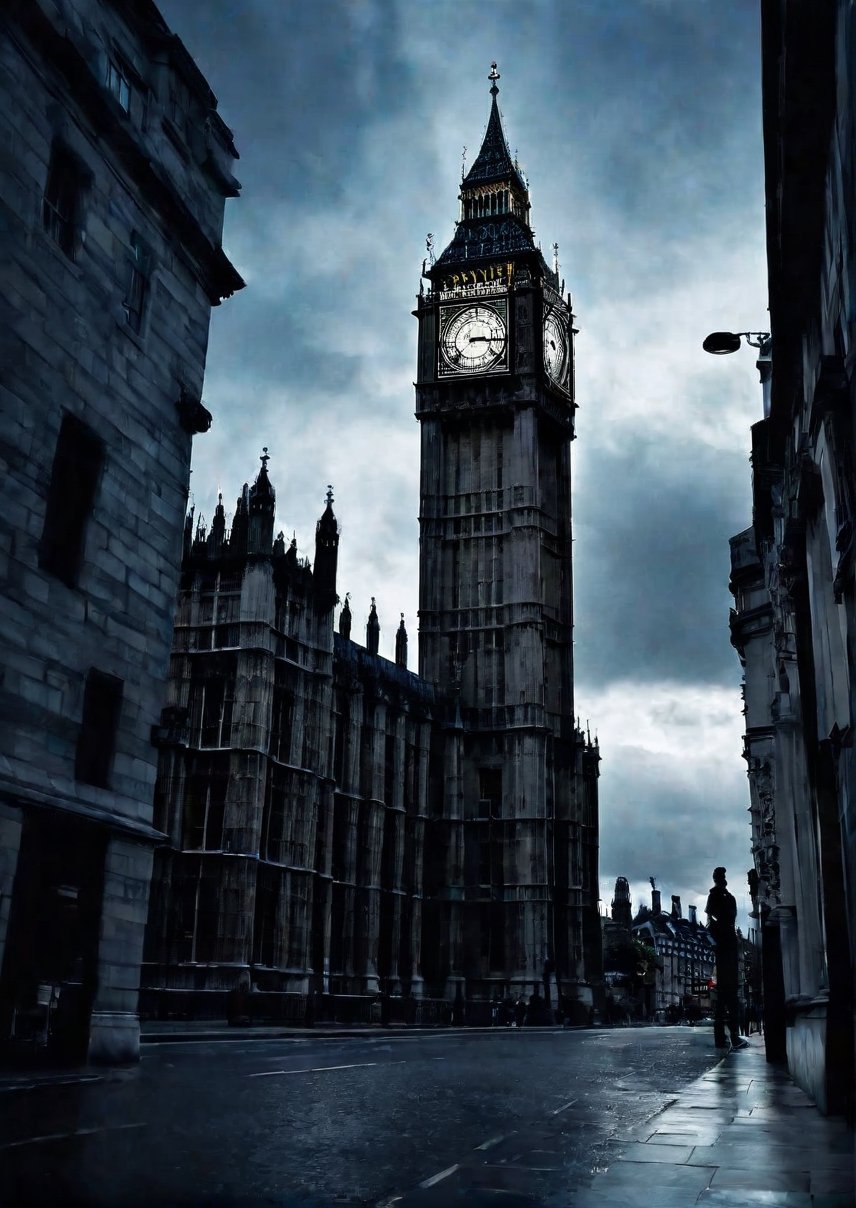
(49, 974)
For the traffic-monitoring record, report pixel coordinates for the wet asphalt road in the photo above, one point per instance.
(311, 1123)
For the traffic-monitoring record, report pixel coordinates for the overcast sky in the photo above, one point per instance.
(638, 125)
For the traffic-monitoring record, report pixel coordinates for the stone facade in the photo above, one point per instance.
(114, 169)
(433, 835)
(295, 780)
(792, 572)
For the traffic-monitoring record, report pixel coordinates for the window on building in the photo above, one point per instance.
(184, 914)
(282, 715)
(490, 793)
(96, 741)
(341, 720)
(389, 852)
(205, 804)
(389, 769)
(208, 921)
(266, 932)
(410, 777)
(298, 911)
(178, 103)
(476, 855)
(75, 473)
(139, 272)
(119, 83)
(341, 842)
(311, 752)
(212, 699)
(61, 205)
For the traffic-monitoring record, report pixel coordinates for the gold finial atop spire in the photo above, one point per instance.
(265, 457)
(493, 77)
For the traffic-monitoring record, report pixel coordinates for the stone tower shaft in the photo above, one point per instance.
(494, 397)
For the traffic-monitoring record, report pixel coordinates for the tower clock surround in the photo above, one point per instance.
(473, 338)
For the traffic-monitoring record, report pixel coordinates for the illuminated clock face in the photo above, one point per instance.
(473, 339)
(556, 348)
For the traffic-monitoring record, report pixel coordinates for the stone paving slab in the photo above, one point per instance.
(754, 1139)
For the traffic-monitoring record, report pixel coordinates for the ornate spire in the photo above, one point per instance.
(494, 161)
(327, 528)
(240, 523)
(345, 617)
(262, 503)
(494, 219)
(326, 555)
(188, 531)
(262, 494)
(373, 630)
(401, 644)
(218, 526)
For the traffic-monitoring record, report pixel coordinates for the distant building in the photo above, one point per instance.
(622, 911)
(339, 825)
(113, 178)
(686, 959)
(794, 623)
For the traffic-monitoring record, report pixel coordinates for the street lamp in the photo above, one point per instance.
(722, 342)
(719, 343)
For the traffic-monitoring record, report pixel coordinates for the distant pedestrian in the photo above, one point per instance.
(535, 1009)
(721, 910)
(519, 1011)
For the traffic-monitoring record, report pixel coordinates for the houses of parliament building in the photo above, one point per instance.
(337, 824)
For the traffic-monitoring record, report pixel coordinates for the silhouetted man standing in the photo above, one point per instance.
(721, 910)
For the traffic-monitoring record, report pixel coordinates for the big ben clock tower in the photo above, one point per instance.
(511, 879)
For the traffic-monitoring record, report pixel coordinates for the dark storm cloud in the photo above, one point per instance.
(675, 832)
(669, 820)
(652, 567)
(297, 84)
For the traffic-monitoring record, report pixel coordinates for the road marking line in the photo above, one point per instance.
(40, 1084)
(490, 1143)
(563, 1108)
(319, 1069)
(80, 1132)
(436, 1178)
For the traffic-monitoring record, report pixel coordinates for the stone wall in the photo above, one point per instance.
(114, 169)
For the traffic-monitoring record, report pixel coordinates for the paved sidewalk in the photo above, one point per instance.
(741, 1135)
